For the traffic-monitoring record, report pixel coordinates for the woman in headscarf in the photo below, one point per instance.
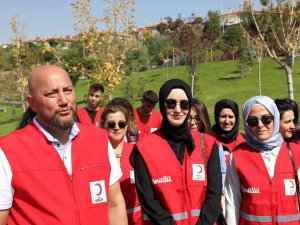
(178, 181)
(260, 183)
(226, 128)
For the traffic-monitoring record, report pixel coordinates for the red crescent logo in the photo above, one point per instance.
(292, 184)
(200, 169)
(100, 189)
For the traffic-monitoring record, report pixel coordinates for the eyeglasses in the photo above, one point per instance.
(184, 104)
(196, 118)
(253, 121)
(112, 124)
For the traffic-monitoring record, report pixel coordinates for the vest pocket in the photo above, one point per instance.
(95, 183)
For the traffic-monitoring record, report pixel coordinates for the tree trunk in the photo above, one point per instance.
(211, 54)
(193, 81)
(109, 95)
(289, 76)
(259, 77)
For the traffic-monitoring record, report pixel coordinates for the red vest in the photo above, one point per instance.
(152, 124)
(265, 200)
(180, 189)
(128, 188)
(85, 118)
(44, 191)
(230, 146)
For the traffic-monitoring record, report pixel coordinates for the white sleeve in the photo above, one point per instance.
(6, 190)
(233, 196)
(116, 172)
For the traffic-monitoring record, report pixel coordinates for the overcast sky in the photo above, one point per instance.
(46, 18)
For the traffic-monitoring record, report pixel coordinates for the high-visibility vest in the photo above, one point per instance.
(180, 189)
(44, 191)
(267, 200)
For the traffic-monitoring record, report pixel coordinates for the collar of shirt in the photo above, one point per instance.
(74, 132)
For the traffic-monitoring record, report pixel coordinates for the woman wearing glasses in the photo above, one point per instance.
(260, 184)
(115, 120)
(226, 128)
(177, 181)
(199, 120)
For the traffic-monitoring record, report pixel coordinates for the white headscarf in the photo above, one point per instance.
(276, 139)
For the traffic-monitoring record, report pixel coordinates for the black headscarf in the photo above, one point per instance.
(177, 136)
(226, 136)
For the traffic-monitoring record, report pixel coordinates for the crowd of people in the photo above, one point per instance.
(122, 165)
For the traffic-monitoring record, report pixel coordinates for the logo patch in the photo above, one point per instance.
(198, 172)
(98, 192)
(250, 190)
(132, 181)
(164, 179)
(289, 187)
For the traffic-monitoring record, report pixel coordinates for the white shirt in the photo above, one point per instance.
(6, 189)
(233, 196)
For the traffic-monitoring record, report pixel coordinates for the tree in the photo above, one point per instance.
(109, 47)
(187, 37)
(258, 50)
(283, 21)
(212, 31)
(233, 38)
(19, 55)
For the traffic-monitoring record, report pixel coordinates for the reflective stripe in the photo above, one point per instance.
(287, 218)
(177, 216)
(134, 210)
(195, 212)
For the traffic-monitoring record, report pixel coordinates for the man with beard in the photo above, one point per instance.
(55, 171)
(92, 112)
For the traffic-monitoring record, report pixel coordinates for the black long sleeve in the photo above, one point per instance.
(211, 208)
(152, 207)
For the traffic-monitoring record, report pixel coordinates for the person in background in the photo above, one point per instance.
(261, 187)
(226, 127)
(199, 120)
(177, 180)
(132, 134)
(287, 119)
(55, 171)
(90, 114)
(115, 119)
(147, 118)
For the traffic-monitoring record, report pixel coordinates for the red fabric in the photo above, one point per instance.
(128, 187)
(45, 193)
(173, 183)
(85, 119)
(262, 196)
(230, 146)
(152, 124)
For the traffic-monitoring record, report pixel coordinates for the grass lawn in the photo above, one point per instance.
(215, 81)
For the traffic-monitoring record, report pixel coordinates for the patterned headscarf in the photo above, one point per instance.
(276, 139)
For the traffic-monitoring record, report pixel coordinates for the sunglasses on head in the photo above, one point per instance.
(196, 118)
(112, 124)
(253, 121)
(184, 104)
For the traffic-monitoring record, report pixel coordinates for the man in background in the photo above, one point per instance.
(54, 171)
(91, 114)
(147, 118)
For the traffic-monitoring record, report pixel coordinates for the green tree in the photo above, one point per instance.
(212, 31)
(233, 38)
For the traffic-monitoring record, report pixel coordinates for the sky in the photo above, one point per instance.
(45, 18)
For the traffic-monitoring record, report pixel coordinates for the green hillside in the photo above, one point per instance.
(215, 81)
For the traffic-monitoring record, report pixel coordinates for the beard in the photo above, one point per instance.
(56, 122)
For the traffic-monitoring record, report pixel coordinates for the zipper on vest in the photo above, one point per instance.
(75, 202)
(90, 167)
